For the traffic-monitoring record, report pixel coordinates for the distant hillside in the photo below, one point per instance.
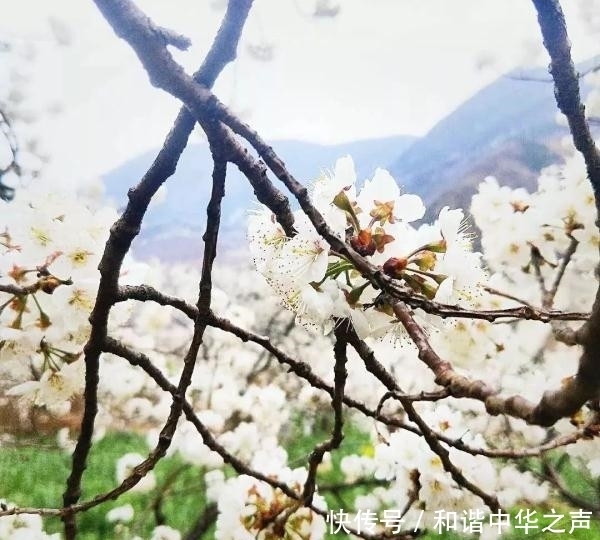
(507, 129)
(514, 162)
(172, 229)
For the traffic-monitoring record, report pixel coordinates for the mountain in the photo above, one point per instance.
(172, 228)
(508, 129)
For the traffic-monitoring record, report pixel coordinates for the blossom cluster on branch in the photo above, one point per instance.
(439, 358)
(42, 246)
(51, 244)
(432, 260)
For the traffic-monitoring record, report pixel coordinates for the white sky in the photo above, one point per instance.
(380, 67)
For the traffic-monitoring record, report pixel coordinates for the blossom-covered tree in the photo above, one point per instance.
(458, 367)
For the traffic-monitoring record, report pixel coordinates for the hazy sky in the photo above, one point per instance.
(379, 67)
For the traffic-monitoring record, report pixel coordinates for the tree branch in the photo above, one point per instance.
(377, 369)
(585, 385)
(337, 400)
(566, 86)
(136, 28)
(121, 236)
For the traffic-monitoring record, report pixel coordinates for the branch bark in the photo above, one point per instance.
(122, 234)
(585, 385)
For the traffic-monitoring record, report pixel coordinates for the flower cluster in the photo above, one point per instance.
(319, 285)
(50, 247)
(417, 479)
(49, 252)
(547, 237)
(250, 509)
(521, 230)
(24, 527)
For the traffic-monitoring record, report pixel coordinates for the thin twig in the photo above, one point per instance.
(550, 474)
(340, 376)
(203, 523)
(377, 369)
(548, 299)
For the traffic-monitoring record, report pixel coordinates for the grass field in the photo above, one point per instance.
(34, 472)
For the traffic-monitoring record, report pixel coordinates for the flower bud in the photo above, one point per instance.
(49, 283)
(342, 201)
(43, 321)
(363, 243)
(439, 278)
(394, 266)
(420, 285)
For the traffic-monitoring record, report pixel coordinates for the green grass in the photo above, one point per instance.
(34, 473)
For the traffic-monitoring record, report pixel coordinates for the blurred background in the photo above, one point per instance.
(442, 94)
